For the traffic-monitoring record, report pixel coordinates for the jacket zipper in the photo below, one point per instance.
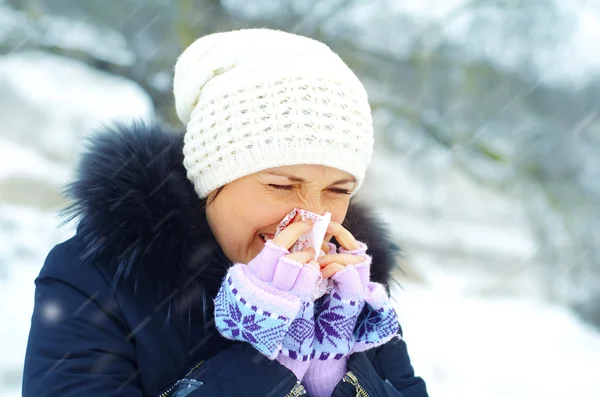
(166, 392)
(353, 380)
(297, 391)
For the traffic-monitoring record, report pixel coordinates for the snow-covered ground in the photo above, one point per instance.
(469, 346)
(27, 235)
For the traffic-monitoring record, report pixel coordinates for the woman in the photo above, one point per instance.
(133, 304)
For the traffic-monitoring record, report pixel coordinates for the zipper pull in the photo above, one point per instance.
(350, 378)
(353, 380)
(297, 391)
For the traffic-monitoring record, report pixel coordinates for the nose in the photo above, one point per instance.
(312, 203)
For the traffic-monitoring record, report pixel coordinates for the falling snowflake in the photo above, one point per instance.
(51, 311)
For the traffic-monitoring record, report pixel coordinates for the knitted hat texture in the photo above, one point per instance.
(254, 99)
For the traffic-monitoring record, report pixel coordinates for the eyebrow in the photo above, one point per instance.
(298, 179)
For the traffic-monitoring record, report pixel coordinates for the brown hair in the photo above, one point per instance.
(209, 199)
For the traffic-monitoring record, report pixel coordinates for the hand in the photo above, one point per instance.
(332, 263)
(342, 236)
(290, 235)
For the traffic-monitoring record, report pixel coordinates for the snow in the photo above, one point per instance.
(442, 216)
(50, 103)
(574, 57)
(21, 28)
(79, 35)
(17, 288)
(580, 52)
(27, 236)
(19, 161)
(497, 347)
(429, 11)
(42, 76)
(571, 51)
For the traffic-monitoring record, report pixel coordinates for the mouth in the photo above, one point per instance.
(266, 236)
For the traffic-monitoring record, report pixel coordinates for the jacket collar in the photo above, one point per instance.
(140, 217)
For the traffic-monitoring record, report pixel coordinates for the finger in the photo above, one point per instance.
(331, 269)
(302, 257)
(297, 218)
(325, 247)
(343, 236)
(332, 248)
(341, 259)
(290, 234)
(314, 263)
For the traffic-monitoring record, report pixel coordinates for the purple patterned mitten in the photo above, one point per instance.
(377, 324)
(334, 325)
(337, 314)
(258, 302)
(357, 307)
(267, 304)
(297, 344)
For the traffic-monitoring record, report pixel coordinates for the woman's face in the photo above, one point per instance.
(255, 204)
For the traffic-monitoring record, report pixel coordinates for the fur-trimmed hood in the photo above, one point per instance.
(140, 217)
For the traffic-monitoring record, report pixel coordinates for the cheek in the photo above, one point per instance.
(253, 218)
(338, 211)
(231, 221)
(267, 215)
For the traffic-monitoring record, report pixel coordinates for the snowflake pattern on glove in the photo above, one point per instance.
(373, 326)
(246, 325)
(298, 341)
(334, 326)
(236, 319)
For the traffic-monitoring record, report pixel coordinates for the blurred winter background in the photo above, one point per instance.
(487, 162)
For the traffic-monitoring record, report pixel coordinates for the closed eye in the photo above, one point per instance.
(281, 187)
(340, 191)
(290, 187)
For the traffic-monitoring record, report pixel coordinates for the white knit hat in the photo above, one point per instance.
(254, 99)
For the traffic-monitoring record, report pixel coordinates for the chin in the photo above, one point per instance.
(253, 250)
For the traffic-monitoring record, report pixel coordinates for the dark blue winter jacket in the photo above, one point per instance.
(125, 307)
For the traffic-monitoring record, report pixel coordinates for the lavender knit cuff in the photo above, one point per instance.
(264, 264)
(376, 296)
(296, 278)
(361, 250)
(262, 295)
(299, 368)
(323, 376)
(283, 274)
(348, 284)
(352, 281)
